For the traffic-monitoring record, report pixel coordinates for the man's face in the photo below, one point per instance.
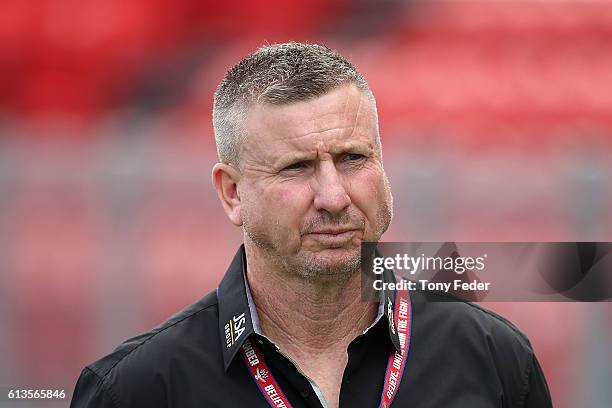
(313, 184)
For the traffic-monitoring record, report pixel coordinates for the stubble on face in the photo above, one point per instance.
(295, 250)
(307, 263)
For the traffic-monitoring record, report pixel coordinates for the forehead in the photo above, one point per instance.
(344, 114)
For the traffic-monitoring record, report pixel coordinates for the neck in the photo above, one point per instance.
(307, 317)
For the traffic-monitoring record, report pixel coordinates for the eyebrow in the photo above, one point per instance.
(353, 145)
(300, 155)
(293, 157)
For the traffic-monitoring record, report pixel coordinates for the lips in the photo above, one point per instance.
(333, 231)
(332, 235)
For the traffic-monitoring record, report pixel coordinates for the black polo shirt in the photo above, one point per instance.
(460, 355)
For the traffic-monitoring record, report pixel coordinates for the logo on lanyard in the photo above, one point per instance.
(390, 315)
(261, 374)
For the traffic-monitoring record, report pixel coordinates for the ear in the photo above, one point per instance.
(225, 179)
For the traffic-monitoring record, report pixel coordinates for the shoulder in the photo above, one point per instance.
(169, 337)
(481, 355)
(483, 343)
(445, 312)
(144, 362)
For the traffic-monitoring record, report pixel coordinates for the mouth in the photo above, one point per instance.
(332, 236)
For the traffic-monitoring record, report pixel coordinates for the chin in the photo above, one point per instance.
(331, 262)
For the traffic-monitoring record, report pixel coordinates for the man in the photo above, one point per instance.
(301, 172)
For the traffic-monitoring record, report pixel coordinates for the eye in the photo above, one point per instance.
(295, 166)
(353, 157)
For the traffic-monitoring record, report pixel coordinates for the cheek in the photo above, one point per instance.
(281, 206)
(371, 196)
(291, 201)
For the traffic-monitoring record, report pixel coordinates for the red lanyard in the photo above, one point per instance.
(395, 367)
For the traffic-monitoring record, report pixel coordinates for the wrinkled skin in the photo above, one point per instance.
(311, 184)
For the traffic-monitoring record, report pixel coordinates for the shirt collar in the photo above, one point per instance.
(238, 317)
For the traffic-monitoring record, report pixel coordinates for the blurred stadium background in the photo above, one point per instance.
(496, 118)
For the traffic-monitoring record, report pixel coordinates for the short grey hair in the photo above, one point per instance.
(276, 74)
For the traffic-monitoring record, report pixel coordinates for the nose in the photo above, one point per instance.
(330, 192)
